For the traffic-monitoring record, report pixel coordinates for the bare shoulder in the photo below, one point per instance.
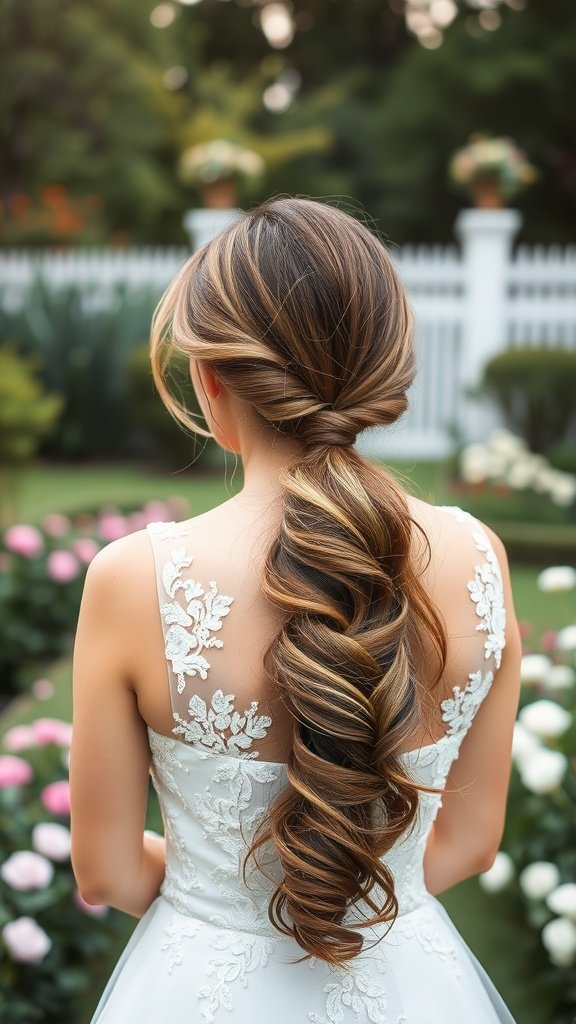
(120, 570)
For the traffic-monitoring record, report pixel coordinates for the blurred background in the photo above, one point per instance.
(130, 134)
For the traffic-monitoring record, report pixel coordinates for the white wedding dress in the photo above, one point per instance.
(205, 951)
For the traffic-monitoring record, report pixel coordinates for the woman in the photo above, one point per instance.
(333, 746)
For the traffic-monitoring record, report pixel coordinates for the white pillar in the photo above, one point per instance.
(486, 237)
(204, 223)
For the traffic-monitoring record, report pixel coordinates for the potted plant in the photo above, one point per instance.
(216, 168)
(492, 170)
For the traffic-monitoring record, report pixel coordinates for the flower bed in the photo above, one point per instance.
(538, 851)
(42, 574)
(48, 934)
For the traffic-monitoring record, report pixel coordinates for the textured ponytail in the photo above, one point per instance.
(299, 311)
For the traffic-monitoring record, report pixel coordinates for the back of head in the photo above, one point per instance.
(298, 310)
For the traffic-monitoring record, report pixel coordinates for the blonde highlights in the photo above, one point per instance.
(299, 311)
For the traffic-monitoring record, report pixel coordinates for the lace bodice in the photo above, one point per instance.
(213, 785)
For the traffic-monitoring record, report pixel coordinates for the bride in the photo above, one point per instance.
(320, 675)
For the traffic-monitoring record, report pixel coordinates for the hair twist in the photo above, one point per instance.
(300, 312)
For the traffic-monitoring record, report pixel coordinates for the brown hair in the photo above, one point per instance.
(299, 311)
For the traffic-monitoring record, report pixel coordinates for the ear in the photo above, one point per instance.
(208, 379)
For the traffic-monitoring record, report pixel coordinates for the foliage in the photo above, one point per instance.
(42, 573)
(538, 850)
(83, 339)
(84, 106)
(100, 102)
(45, 985)
(51, 214)
(534, 388)
(26, 414)
(157, 429)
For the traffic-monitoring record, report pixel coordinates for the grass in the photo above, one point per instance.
(491, 926)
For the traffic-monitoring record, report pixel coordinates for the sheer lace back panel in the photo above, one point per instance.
(204, 679)
(213, 784)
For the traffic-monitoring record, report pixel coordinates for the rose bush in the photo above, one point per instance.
(42, 572)
(48, 934)
(538, 850)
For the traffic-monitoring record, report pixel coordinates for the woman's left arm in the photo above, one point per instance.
(113, 861)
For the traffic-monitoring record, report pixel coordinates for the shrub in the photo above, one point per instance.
(84, 340)
(534, 389)
(26, 416)
(159, 433)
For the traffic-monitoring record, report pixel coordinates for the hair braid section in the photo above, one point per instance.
(343, 664)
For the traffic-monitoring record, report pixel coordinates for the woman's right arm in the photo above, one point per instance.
(468, 828)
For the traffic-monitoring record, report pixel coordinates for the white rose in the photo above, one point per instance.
(544, 480)
(559, 677)
(562, 900)
(543, 771)
(26, 870)
(563, 491)
(533, 667)
(520, 475)
(559, 938)
(473, 461)
(566, 639)
(505, 441)
(545, 718)
(557, 577)
(499, 875)
(524, 744)
(538, 879)
(52, 840)
(26, 941)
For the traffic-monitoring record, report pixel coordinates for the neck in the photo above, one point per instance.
(262, 459)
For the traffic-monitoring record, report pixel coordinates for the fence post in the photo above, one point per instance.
(486, 237)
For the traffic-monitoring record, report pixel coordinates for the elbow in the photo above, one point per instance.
(91, 890)
(93, 896)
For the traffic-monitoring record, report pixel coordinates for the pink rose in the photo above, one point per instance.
(179, 507)
(27, 870)
(14, 771)
(137, 521)
(52, 730)
(43, 689)
(62, 566)
(24, 540)
(56, 797)
(157, 511)
(19, 737)
(85, 548)
(51, 840)
(111, 527)
(26, 941)
(56, 525)
(94, 909)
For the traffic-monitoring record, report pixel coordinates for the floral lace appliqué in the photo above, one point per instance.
(353, 990)
(237, 956)
(486, 589)
(460, 710)
(189, 630)
(208, 725)
(166, 531)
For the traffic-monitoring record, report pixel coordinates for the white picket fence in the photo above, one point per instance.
(470, 301)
